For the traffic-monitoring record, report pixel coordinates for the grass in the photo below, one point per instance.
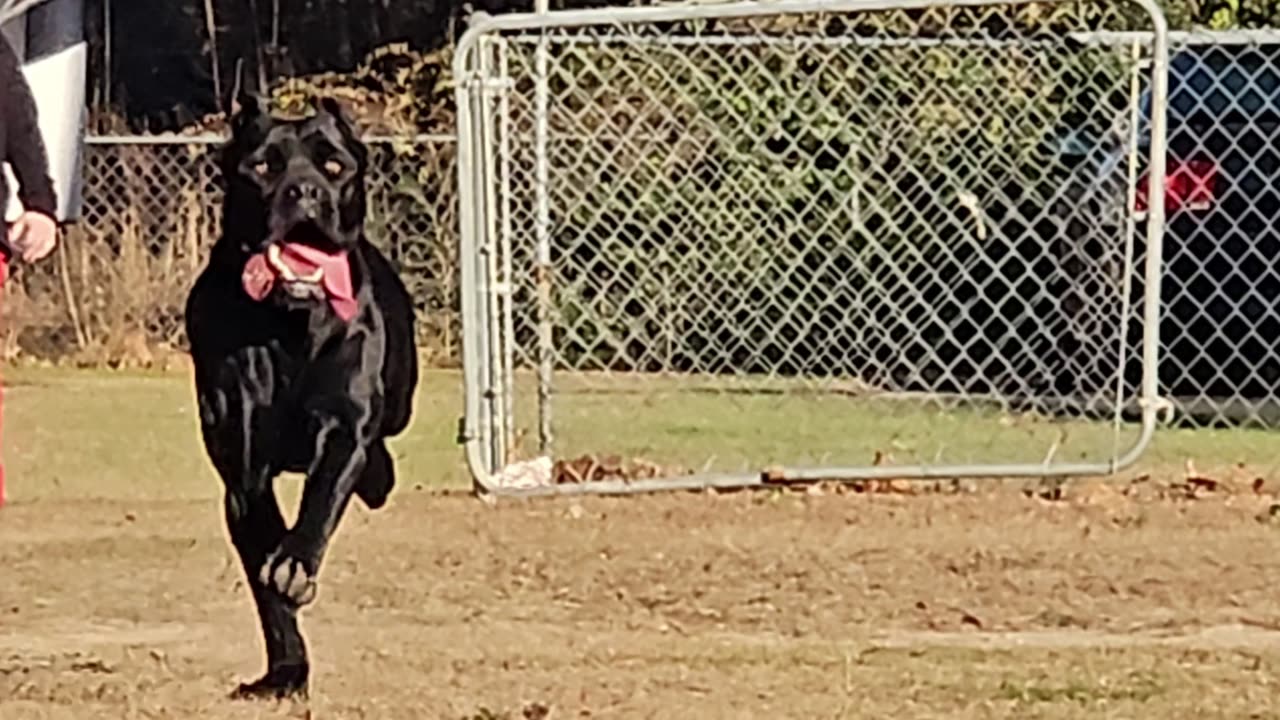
(1049, 691)
(837, 681)
(79, 434)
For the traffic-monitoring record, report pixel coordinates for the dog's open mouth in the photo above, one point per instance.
(304, 272)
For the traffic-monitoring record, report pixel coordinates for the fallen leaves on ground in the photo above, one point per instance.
(603, 468)
(1237, 481)
(898, 486)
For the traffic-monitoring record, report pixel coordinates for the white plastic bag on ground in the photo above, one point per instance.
(525, 474)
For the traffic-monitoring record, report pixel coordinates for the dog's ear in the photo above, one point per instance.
(250, 122)
(338, 111)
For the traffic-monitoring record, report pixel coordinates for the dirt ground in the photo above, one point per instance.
(760, 605)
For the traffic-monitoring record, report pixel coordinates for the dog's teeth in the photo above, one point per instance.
(274, 257)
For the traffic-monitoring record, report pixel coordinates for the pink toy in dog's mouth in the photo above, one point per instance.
(302, 268)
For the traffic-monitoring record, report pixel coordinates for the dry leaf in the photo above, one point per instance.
(536, 711)
(590, 468)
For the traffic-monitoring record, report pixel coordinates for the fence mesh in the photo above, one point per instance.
(1221, 285)
(833, 239)
(151, 213)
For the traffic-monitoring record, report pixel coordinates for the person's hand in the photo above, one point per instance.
(34, 235)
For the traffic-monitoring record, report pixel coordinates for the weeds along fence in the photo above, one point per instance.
(114, 293)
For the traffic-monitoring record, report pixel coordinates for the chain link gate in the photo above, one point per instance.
(806, 240)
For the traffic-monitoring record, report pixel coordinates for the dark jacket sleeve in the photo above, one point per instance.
(23, 145)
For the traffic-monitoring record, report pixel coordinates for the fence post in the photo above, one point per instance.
(542, 269)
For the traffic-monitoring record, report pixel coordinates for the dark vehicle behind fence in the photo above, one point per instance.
(1220, 327)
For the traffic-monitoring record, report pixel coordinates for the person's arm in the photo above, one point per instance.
(24, 146)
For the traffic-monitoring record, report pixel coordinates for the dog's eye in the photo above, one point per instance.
(333, 168)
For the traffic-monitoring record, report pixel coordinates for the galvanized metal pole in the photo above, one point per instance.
(1130, 227)
(472, 432)
(542, 232)
(490, 251)
(508, 283)
(1152, 403)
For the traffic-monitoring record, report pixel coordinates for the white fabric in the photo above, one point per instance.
(57, 83)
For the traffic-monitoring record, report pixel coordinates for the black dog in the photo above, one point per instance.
(302, 339)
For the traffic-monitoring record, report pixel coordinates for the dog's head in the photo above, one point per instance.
(294, 181)
(295, 204)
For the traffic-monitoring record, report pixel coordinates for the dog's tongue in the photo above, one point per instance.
(260, 275)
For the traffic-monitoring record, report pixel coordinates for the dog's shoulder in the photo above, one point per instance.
(204, 316)
(400, 362)
(387, 294)
(389, 291)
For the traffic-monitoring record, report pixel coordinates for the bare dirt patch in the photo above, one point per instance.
(746, 605)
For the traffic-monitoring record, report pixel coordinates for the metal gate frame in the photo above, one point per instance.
(486, 428)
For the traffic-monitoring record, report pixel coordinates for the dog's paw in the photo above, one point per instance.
(284, 681)
(378, 478)
(290, 574)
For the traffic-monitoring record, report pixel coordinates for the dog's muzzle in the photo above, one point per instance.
(305, 206)
(303, 272)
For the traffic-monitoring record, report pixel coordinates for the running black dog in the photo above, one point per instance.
(302, 339)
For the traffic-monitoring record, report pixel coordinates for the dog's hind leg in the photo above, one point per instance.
(378, 478)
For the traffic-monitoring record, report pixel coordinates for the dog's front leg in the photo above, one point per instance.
(340, 460)
(240, 436)
(256, 526)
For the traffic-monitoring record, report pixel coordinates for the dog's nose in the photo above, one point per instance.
(304, 195)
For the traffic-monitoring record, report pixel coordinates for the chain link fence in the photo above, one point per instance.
(1221, 331)
(1220, 351)
(151, 212)
(758, 209)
